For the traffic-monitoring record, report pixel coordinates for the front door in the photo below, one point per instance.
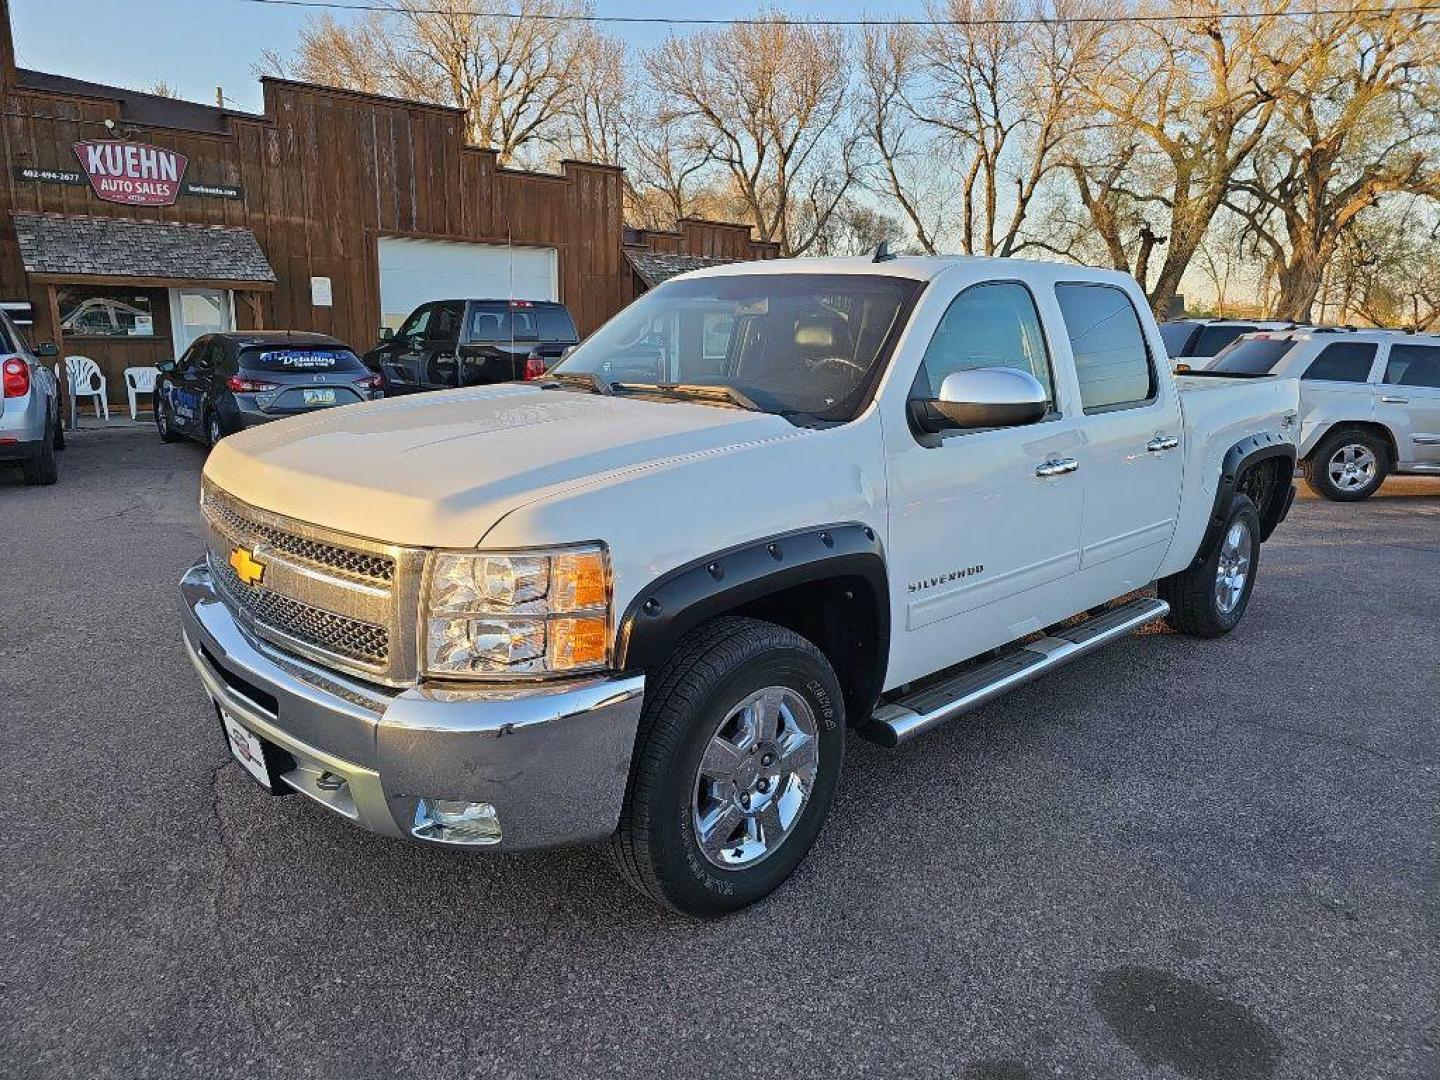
(1131, 462)
(1409, 403)
(197, 312)
(982, 545)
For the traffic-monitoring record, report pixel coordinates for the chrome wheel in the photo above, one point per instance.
(755, 777)
(1233, 569)
(215, 433)
(1353, 467)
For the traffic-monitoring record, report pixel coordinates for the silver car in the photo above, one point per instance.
(1369, 402)
(30, 426)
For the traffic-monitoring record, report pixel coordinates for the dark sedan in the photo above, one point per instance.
(226, 382)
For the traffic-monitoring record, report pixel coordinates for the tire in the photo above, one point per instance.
(39, 469)
(1201, 603)
(59, 432)
(165, 423)
(1348, 465)
(214, 432)
(699, 701)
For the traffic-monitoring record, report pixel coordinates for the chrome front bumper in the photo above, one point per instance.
(552, 759)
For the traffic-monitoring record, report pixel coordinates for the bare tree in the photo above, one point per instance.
(767, 101)
(1355, 122)
(517, 78)
(1194, 97)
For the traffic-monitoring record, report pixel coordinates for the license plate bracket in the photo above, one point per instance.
(322, 396)
(263, 760)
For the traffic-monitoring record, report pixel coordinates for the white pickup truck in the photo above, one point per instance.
(641, 601)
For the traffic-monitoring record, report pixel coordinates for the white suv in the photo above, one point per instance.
(1369, 402)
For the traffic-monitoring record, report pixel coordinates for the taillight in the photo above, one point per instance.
(17, 377)
(370, 382)
(534, 366)
(238, 385)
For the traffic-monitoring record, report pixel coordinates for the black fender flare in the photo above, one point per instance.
(680, 600)
(1239, 459)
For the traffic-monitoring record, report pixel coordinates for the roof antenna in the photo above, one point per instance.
(882, 253)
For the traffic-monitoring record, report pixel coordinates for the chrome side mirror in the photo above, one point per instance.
(983, 398)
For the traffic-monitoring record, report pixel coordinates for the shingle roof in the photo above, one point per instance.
(655, 267)
(119, 247)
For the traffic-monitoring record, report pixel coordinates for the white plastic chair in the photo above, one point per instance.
(140, 380)
(87, 382)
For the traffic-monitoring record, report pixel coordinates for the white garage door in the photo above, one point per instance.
(413, 272)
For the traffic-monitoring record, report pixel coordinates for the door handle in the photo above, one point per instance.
(1161, 443)
(1396, 400)
(1057, 467)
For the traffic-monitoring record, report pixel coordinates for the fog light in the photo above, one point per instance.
(453, 822)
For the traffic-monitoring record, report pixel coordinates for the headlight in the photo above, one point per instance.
(518, 613)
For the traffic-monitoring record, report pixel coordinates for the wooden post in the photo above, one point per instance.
(257, 311)
(52, 297)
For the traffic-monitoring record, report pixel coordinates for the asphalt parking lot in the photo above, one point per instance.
(1177, 859)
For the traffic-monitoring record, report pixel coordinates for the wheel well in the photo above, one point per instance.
(842, 618)
(1266, 484)
(1370, 427)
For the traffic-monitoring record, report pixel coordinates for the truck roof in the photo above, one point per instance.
(915, 267)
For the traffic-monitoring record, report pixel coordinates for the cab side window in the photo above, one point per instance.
(415, 325)
(1344, 361)
(990, 325)
(445, 322)
(1112, 359)
(1413, 365)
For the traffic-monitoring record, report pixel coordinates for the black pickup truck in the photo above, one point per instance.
(450, 343)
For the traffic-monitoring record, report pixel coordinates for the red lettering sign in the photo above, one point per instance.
(133, 173)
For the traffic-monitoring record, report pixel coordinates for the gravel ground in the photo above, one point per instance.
(1177, 859)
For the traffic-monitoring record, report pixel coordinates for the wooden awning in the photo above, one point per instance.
(59, 249)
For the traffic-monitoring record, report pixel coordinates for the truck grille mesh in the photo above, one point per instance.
(359, 565)
(355, 640)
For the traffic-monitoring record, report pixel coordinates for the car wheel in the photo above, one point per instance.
(213, 431)
(1209, 600)
(59, 433)
(1348, 465)
(165, 422)
(736, 763)
(39, 469)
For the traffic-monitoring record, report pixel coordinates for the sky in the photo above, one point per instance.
(193, 46)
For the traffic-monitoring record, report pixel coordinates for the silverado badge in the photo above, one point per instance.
(250, 570)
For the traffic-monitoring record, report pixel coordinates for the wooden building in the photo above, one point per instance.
(134, 223)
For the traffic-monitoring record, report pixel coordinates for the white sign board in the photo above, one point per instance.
(320, 294)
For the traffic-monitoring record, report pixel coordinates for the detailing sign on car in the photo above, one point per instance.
(136, 174)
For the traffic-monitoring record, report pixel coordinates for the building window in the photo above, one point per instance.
(88, 311)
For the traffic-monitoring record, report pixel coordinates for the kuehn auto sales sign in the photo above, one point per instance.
(136, 174)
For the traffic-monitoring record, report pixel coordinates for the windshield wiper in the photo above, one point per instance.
(694, 391)
(586, 379)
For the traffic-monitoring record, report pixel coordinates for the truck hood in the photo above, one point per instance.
(441, 469)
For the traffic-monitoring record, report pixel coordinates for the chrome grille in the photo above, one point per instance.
(345, 601)
(355, 640)
(246, 530)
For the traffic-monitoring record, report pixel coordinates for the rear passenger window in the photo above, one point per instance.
(1112, 360)
(1252, 356)
(992, 325)
(1344, 361)
(1413, 365)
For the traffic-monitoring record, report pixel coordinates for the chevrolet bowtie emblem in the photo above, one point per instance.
(250, 570)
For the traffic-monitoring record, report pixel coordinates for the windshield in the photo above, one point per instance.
(811, 344)
(1252, 356)
(1175, 335)
(1214, 338)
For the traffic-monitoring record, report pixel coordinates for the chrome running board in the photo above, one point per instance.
(899, 721)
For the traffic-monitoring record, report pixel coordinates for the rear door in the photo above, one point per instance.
(1335, 387)
(1409, 402)
(1130, 463)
